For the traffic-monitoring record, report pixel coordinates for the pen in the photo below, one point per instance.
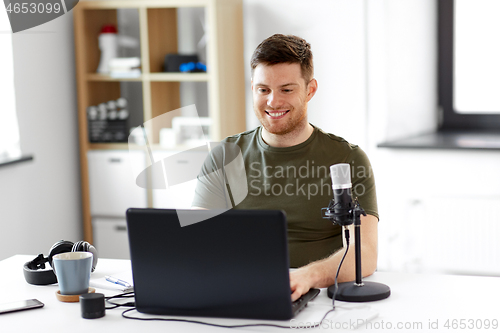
(117, 281)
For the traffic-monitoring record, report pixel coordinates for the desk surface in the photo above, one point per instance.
(419, 302)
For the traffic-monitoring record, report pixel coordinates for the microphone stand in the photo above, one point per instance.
(357, 291)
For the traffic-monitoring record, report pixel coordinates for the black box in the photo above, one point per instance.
(173, 61)
(108, 131)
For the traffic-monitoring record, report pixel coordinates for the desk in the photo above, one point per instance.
(419, 302)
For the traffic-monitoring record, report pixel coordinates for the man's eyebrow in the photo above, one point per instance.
(283, 85)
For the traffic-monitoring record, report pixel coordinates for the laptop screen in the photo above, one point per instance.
(234, 264)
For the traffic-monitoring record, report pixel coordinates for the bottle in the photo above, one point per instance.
(108, 44)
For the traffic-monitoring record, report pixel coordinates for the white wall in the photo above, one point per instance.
(402, 68)
(40, 200)
(402, 95)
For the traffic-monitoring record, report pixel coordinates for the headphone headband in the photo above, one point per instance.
(35, 272)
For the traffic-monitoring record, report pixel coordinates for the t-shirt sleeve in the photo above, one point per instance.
(222, 182)
(210, 192)
(363, 181)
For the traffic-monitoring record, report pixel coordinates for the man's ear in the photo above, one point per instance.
(312, 87)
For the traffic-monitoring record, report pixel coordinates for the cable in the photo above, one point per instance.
(346, 231)
(124, 295)
(218, 325)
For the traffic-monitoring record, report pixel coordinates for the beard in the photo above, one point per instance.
(294, 120)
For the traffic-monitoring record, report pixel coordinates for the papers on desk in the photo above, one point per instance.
(105, 284)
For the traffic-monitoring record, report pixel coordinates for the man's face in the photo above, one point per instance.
(280, 96)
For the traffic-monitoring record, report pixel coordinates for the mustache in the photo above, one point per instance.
(279, 108)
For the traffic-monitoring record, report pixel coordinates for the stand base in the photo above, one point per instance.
(369, 291)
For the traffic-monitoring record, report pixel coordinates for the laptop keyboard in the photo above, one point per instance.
(301, 303)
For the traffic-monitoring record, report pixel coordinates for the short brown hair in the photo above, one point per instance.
(284, 49)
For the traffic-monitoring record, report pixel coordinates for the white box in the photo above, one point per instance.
(111, 238)
(179, 196)
(112, 182)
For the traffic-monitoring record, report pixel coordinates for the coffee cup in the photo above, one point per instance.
(73, 272)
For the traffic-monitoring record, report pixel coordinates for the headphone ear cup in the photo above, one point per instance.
(79, 247)
(60, 247)
(83, 246)
(93, 250)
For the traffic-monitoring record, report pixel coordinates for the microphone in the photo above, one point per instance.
(343, 211)
(342, 193)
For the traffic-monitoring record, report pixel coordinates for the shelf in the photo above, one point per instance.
(178, 77)
(108, 146)
(113, 4)
(152, 147)
(154, 77)
(107, 78)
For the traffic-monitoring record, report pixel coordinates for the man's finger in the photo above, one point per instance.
(296, 294)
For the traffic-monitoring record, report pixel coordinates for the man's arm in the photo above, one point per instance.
(321, 273)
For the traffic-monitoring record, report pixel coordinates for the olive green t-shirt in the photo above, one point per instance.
(297, 180)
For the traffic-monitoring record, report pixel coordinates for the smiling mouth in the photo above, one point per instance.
(277, 115)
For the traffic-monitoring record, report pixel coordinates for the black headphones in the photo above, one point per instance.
(34, 270)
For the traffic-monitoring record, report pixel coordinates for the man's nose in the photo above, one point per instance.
(274, 100)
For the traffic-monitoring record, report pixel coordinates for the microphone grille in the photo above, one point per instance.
(341, 175)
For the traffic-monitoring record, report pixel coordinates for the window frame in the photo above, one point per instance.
(451, 120)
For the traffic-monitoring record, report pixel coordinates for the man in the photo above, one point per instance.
(287, 162)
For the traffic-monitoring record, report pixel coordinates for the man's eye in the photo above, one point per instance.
(287, 90)
(262, 90)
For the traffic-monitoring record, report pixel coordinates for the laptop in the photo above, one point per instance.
(232, 265)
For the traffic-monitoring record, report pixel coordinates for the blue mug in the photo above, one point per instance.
(73, 272)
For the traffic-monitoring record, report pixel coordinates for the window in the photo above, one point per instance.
(9, 130)
(469, 66)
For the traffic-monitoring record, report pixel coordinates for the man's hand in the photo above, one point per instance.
(301, 280)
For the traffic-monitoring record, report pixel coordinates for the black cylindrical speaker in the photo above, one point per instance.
(92, 305)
